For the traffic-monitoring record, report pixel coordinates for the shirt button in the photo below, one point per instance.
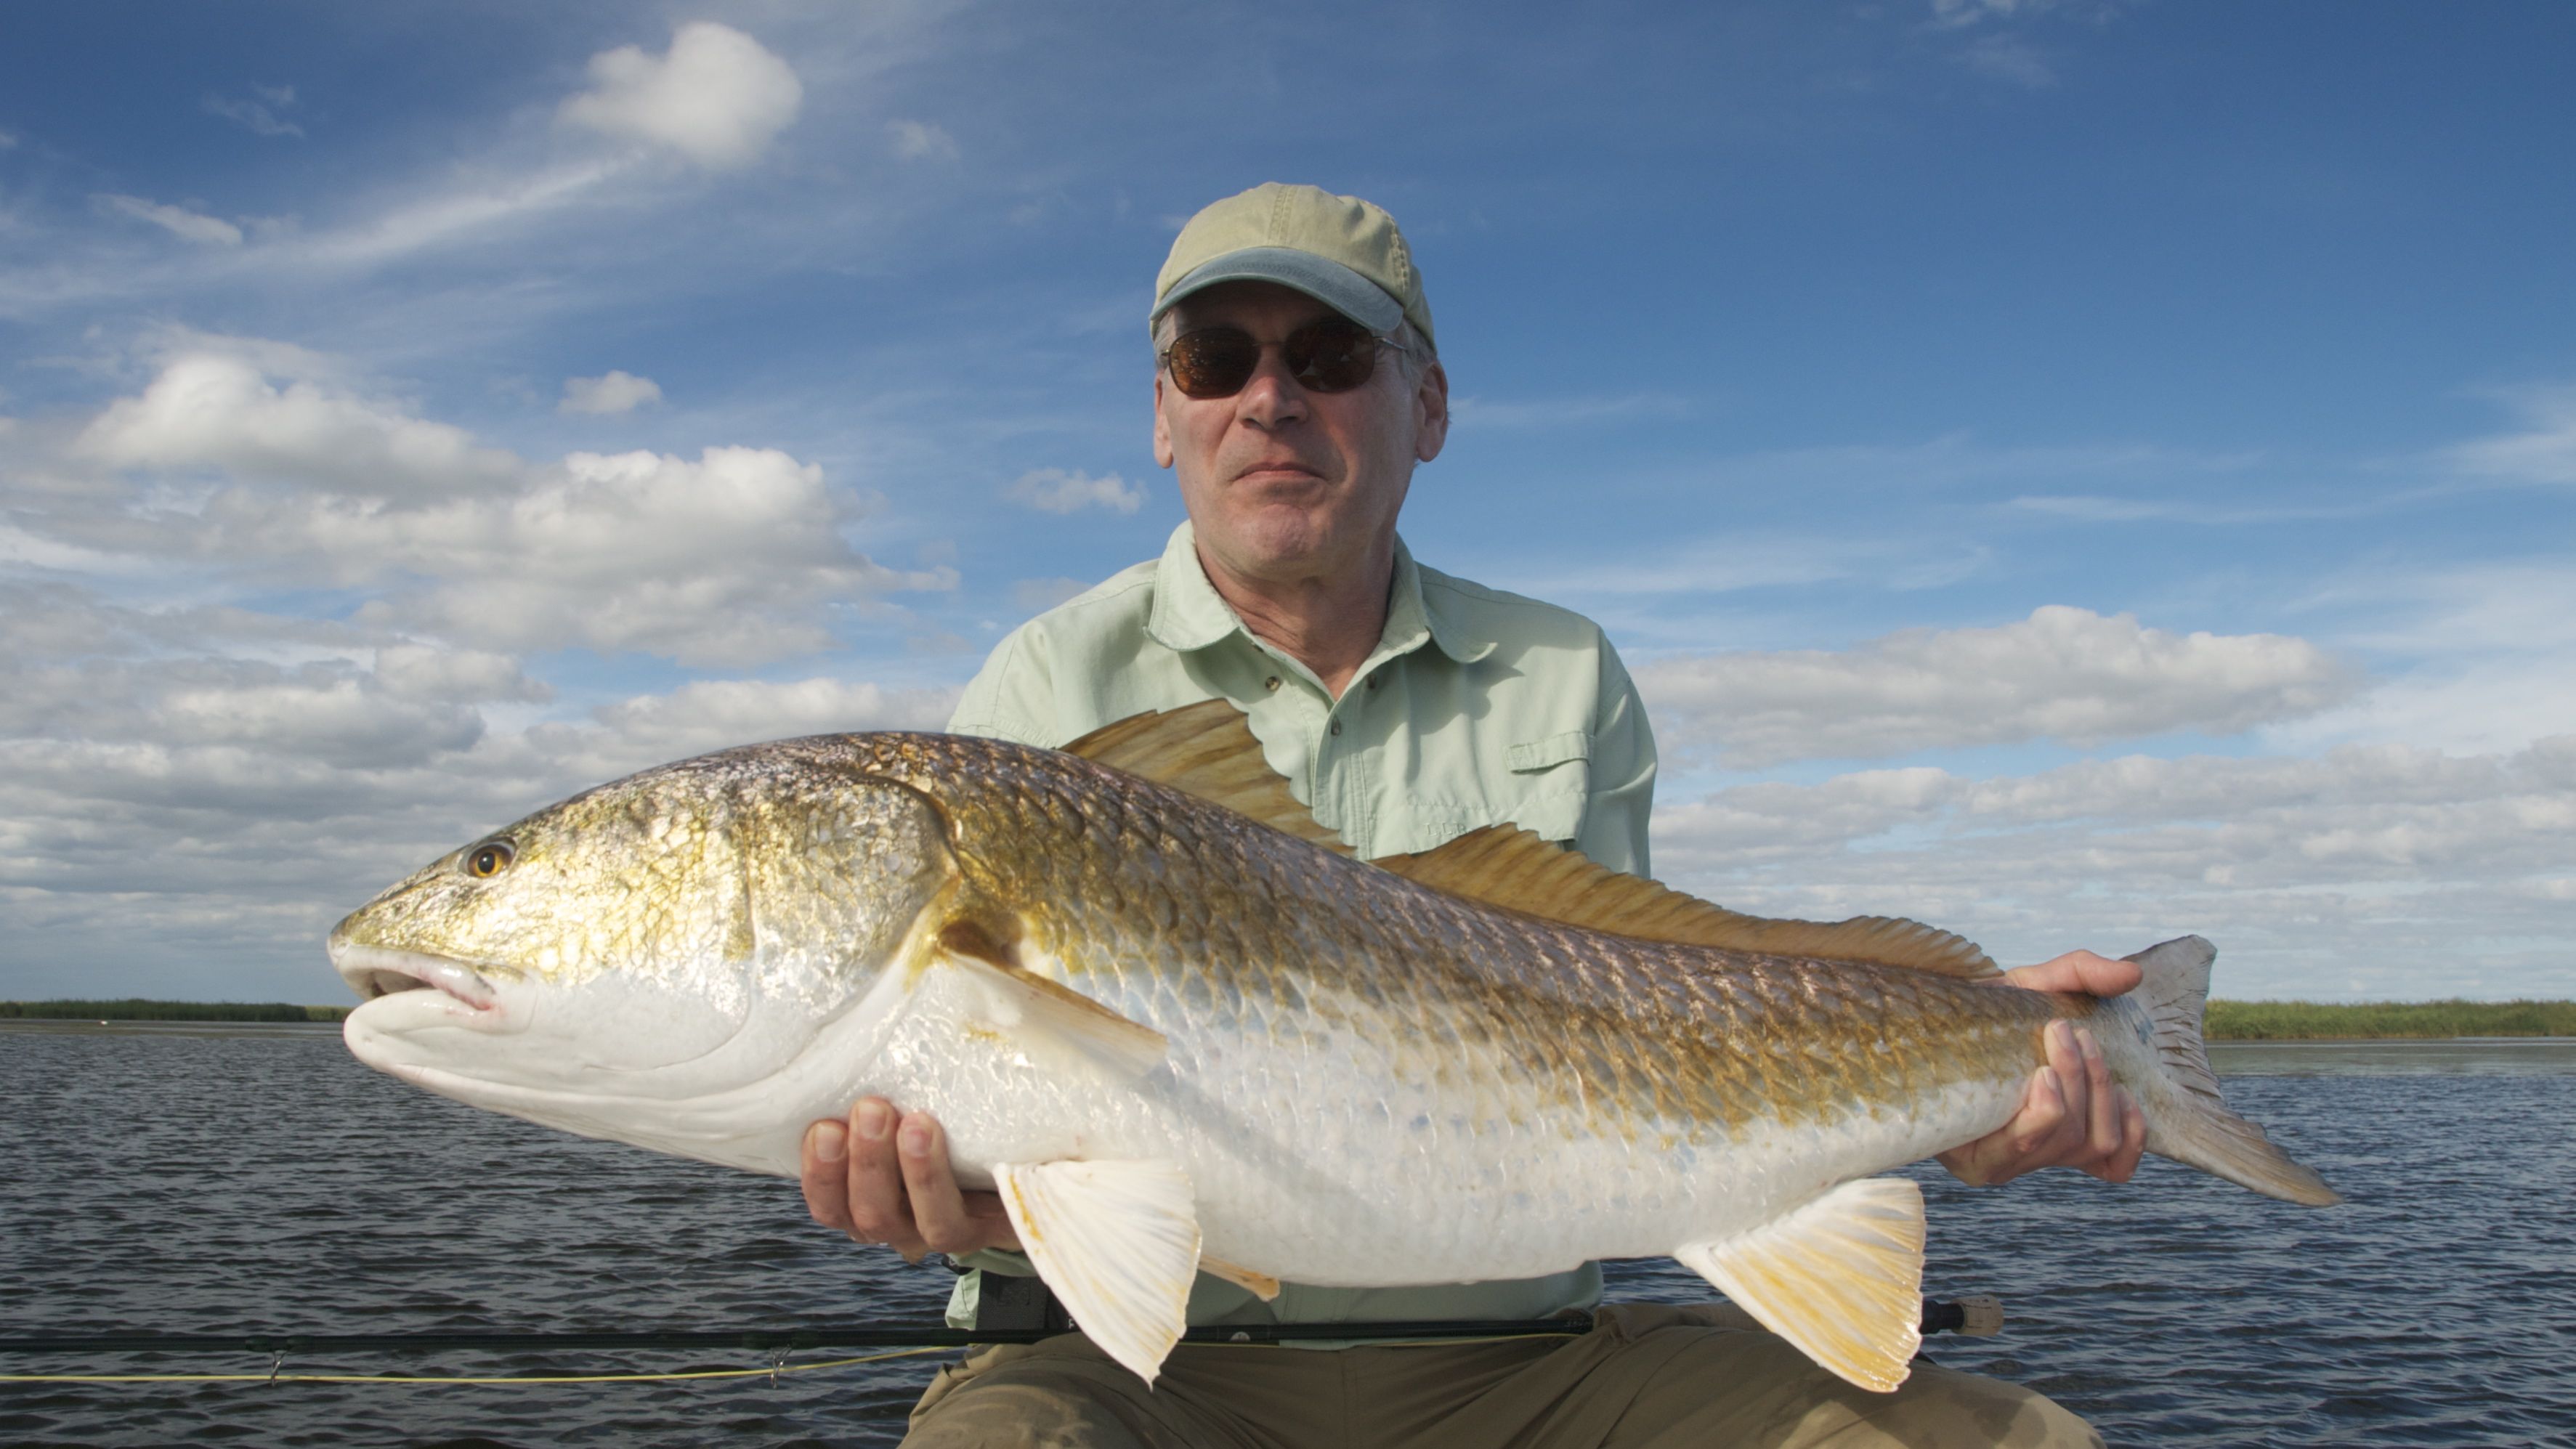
(1337, 726)
(1272, 683)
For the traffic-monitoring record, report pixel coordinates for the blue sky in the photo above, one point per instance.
(2076, 473)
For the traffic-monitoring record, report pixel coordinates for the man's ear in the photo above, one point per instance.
(1162, 426)
(1430, 412)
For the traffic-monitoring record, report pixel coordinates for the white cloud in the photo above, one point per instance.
(1054, 490)
(717, 96)
(736, 556)
(177, 220)
(219, 409)
(617, 392)
(2542, 451)
(256, 116)
(2010, 58)
(2064, 674)
(2374, 871)
(922, 141)
(715, 714)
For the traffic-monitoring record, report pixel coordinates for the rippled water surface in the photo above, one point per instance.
(240, 1179)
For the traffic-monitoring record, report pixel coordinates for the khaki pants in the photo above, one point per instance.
(1648, 1376)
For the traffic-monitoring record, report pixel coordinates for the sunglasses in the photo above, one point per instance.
(1329, 354)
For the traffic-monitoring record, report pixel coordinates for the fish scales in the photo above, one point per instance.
(1165, 1030)
(1730, 1037)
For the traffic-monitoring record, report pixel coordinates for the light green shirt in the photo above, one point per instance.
(1477, 707)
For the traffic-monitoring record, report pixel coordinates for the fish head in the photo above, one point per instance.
(654, 960)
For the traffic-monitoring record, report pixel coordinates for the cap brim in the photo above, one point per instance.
(1325, 280)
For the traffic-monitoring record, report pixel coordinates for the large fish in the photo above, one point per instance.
(1177, 1027)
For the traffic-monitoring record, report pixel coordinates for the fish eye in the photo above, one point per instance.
(489, 859)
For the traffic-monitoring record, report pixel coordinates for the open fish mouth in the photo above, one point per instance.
(377, 971)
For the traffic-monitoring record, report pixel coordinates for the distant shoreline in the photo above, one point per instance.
(2228, 1020)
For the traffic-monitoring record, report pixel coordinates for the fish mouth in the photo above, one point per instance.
(380, 971)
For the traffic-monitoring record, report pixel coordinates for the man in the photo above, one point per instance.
(1297, 389)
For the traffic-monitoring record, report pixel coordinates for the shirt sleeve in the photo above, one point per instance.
(1622, 794)
(1010, 696)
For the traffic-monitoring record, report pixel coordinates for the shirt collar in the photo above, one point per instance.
(1190, 614)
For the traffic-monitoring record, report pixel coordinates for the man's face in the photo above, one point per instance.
(1284, 484)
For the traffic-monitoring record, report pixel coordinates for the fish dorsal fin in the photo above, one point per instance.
(1117, 1241)
(1504, 865)
(1841, 1277)
(1207, 750)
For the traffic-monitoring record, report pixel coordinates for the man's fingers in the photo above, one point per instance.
(2083, 971)
(2133, 1141)
(949, 1219)
(2103, 1138)
(880, 1208)
(821, 1170)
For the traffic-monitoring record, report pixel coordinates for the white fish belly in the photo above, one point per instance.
(1312, 1160)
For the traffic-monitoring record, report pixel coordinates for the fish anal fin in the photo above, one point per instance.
(1504, 865)
(1031, 1011)
(1840, 1277)
(1259, 1285)
(1206, 749)
(1118, 1242)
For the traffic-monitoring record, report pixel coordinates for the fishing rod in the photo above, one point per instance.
(1978, 1316)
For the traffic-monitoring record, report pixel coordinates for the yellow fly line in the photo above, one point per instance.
(770, 1372)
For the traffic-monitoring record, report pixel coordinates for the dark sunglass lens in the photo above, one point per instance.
(1213, 361)
(1332, 356)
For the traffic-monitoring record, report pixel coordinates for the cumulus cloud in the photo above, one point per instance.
(921, 141)
(256, 116)
(220, 409)
(2373, 871)
(735, 556)
(176, 220)
(717, 96)
(713, 714)
(617, 392)
(2543, 450)
(1054, 490)
(2064, 674)
(2010, 58)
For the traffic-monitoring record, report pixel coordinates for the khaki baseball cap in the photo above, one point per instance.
(1343, 252)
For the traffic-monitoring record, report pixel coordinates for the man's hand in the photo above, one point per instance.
(883, 1177)
(2071, 1115)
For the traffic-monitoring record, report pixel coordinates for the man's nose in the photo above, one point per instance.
(1272, 395)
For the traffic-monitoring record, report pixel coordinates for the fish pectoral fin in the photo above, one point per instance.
(1030, 1011)
(1259, 1285)
(1118, 1242)
(1841, 1277)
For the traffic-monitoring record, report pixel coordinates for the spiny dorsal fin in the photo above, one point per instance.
(1207, 750)
(1504, 865)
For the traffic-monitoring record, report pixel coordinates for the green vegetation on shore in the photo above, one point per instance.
(2228, 1020)
(2322, 1020)
(135, 1008)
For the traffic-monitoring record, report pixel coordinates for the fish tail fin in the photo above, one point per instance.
(2192, 1124)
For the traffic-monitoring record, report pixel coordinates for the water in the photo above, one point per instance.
(256, 1179)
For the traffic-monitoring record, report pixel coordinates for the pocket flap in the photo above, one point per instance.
(1554, 750)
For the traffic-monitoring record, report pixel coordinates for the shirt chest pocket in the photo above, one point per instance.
(1550, 781)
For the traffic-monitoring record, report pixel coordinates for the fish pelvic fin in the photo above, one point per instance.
(1259, 1285)
(1118, 1242)
(1840, 1277)
(2192, 1125)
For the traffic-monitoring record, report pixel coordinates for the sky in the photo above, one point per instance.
(2074, 473)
